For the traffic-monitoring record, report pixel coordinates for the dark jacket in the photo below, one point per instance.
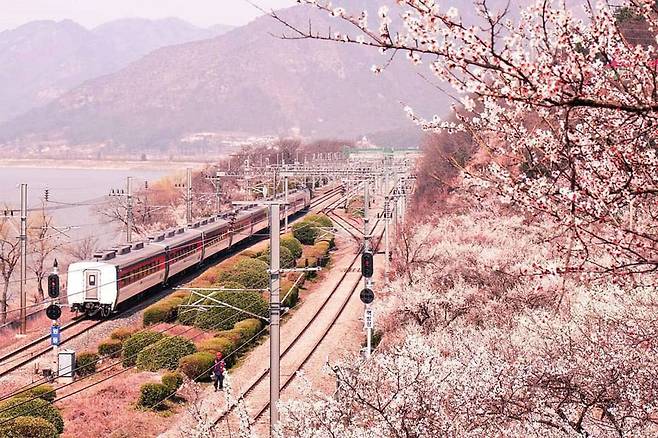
(218, 367)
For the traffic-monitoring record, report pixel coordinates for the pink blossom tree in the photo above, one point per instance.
(563, 105)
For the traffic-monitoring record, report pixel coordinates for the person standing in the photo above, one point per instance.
(218, 371)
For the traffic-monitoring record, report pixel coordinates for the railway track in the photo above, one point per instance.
(33, 350)
(307, 355)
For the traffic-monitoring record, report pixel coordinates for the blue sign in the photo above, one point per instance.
(54, 335)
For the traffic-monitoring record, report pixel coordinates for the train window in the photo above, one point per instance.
(92, 280)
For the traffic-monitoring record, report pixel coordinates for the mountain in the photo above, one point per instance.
(245, 81)
(132, 38)
(42, 60)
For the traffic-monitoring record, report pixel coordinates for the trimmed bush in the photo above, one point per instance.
(232, 335)
(197, 365)
(28, 427)
(45, 391)
(173, 380)
(250, 278)
(122, 333)
(136, 343)
(291, 299)
(249, 264)
(293, 245)
(110, 348)
(223, 318)
(248, 328)
(156, 313)
(305, 232)
(152, 394)
(85, 363)
(286, 259)
(165, 353)
(321, 251)
(252, 273)
(165, 310)
(22, 407)
(320, 219)
(188, 316)
(218, 343)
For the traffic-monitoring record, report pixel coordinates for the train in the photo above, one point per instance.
(114, 276)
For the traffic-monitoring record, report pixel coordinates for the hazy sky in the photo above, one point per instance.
(91, 13)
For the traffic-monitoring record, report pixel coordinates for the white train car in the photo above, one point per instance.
(117, 275)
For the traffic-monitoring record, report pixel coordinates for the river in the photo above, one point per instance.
(73, 196)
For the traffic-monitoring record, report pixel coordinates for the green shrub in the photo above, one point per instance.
(165, 310)
(85, 363)
(248, 264)
(320, 219)
(321, 251)
(292, 297)
(22, 407)
(110, 348)
(197, 366)
(293, 245)
(136, 343)
(173, 380)
(305, 232)
(251, 273)
(248, 328)
(218, 343)
(44, 391)
(250, 278)
(122, 333)
(165, 353)
(156, 313)
(223, 318)
(188, 316)
(152, 394)
(286, 259)
(28, 427)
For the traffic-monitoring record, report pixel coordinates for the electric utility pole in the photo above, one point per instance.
(188, 195)
(216, 182)
(285, 199)
(23, 237)
(188, 198)
(386, 220)
(128, 193)
(367, 266)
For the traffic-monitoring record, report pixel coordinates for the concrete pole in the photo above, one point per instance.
(285, 208)
(23, 237)
(367, 282)
(218, 195)
(189, 196)
(275, 309)
(386, 220)
(129, 209)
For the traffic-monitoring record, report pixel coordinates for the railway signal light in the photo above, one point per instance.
(54, 312)
(367, 264)
(53, 285)
(367, 296)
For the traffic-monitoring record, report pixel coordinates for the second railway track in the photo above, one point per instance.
(307, 355)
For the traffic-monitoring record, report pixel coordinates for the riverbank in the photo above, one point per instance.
(46, 163)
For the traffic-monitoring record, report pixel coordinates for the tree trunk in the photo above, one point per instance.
(42, 296)
(3, 302)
